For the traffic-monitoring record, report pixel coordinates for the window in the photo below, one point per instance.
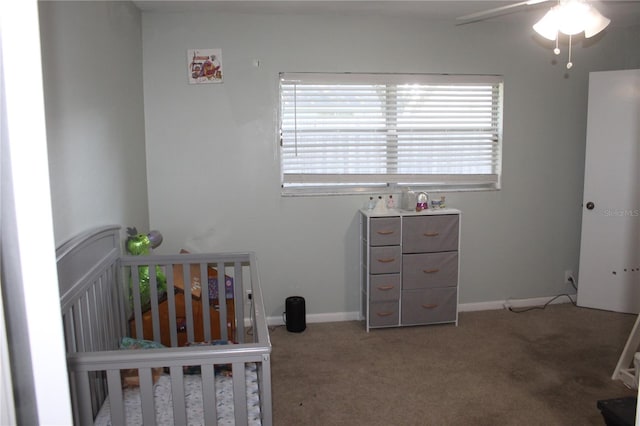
(354, 133)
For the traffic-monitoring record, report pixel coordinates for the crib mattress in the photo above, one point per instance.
(193, 397)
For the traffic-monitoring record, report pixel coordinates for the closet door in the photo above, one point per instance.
(609, 276)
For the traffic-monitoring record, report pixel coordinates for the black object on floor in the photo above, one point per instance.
(619, 411)
(295, 314)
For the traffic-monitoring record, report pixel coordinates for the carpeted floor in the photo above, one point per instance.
(543, 367)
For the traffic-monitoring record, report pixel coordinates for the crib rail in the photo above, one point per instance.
(111, 363)
(100, 299)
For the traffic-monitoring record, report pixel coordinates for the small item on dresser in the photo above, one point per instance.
(371, 204)
(422, 201)
(381, 206)
(438, 204)
(391, 203)
(408, 200)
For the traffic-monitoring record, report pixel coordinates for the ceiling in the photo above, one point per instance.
(621, 13)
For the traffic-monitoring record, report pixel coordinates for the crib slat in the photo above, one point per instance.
(115, 398)
(205, 300)
(209, 395)
(222, 301)
(84, 397)
(69, 334)
(186, 268)
(171, 302)
(137, 307)
(177, 393)
(146, 397)
(238, 295)
(239, 393)
(153, 299)
(264, 387)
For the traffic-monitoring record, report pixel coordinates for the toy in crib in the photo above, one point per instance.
(138, 244)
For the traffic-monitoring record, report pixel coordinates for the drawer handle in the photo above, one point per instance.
(384, 314)
(387, 260)
(431, 271)
(385, 232)
(429, 305)
(385, 287)
(431, 234)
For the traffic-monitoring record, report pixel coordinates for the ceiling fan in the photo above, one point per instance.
(568, 17)
(490, 13)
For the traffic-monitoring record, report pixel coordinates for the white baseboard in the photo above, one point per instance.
(463, 307)
(328, 317)
(515, 303)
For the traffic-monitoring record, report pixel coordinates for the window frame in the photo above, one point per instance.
(373, 183)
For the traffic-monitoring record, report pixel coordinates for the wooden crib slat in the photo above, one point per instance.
(238, 294)
(115, 398)
(83, 323)
(177, 393)
(204, 300)
(209, 395)
(146, 397)
(153, 299)
(112, 310)
(222, 301)
(69, 334)
(105, 314)
(83, 402)
(171, 302)
(137, 305)
(264, 387)
(188, 309)
(239, 392)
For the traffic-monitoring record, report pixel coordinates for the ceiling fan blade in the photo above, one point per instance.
(486, 13)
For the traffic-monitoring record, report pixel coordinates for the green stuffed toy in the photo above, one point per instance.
(138, 244)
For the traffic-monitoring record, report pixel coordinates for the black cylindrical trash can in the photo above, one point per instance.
(295, 315)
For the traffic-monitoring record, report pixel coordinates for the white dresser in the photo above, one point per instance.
(409, 267)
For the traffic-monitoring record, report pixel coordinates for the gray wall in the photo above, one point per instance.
(92, 66)
(213, 170)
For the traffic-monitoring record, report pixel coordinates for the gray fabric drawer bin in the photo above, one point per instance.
(385, 260)
(427, 270)
(385, 287)
(384, 314)
(429, 306)
(385, 231)
(429, 233)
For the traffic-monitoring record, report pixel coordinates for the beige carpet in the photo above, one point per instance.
(542, 367)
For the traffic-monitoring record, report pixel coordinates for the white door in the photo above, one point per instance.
(609, 276)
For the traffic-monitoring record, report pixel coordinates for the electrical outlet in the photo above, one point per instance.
(568, 276)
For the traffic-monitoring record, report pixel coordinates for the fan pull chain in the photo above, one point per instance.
(557, 49)
(569, 64)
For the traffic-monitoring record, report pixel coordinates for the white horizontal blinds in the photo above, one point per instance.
(367, 129)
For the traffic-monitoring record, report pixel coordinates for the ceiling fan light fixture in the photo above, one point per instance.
(548, 26)
(595, 22)
(572, 17)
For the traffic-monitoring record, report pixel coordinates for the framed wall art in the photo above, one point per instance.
(204, 66)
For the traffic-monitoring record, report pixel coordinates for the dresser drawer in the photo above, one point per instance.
(384, 314)
(429, 306)
(385, 231)
(385, 260)
(385, 287)
(427, 270)
(429, 233)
